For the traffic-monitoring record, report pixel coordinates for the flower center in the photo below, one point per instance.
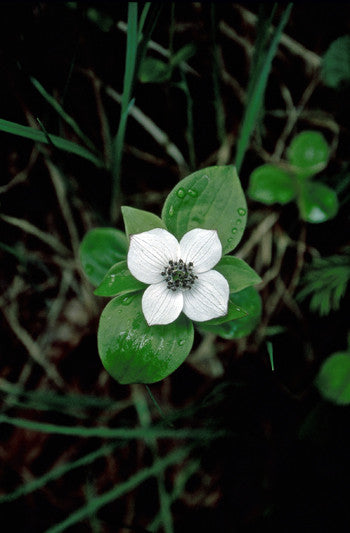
(179, 275)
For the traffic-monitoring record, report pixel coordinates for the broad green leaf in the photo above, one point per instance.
(154, 70)
(100, 249)
(133, 352)
(137, 220)
(308, 153)
(336, 63)
(270, 184)
(237, 272)
(117, 280)
(234, 312)
(333, 379)
(250, 299)
(317, 202)
(40, 136)
(211, 198)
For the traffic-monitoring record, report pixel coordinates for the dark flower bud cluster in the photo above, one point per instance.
(179, 275)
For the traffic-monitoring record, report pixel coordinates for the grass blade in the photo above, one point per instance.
(39, 136)
(257, 90)
(63, 114)
(111, 433)
(134, 481)
(56, 473)
(118, 142)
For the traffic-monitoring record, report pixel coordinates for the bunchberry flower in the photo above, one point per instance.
(179, 275)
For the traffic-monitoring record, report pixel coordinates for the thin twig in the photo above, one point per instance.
(28, 227)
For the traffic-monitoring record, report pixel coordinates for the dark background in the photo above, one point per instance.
(283, 462)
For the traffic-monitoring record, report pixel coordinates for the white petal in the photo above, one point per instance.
(161, 305)
(202, 247)
(208, 297)
(150, 252)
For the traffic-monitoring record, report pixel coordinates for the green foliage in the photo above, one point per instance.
(317, 202)
(211, 198)
(42, 137)
(270, 184)
(250, 301)
(100, 249)
(333, 379)
(137, 220)
(133, 352)
(118, 280)
(234, 312)
(237, 272)
(265, 51)
(154, 70)
(130, 349)
(139, 31)
(336, 63)
(326, 282)
(308, 154)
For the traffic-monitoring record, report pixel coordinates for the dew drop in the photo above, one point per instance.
(230, 239)
(241, 211)
(234, 230)
(171, 211)
(238, 221)
(181, 342)
(192, 193)
(127, 300)
(181, 193)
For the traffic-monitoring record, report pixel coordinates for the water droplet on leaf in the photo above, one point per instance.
(192, 193)
(238, 221)
(181, 342)
(241, 211)
(171, 211)
(181, 193)
(234, 230)
(127, 300)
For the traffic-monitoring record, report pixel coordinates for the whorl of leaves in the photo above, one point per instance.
(325, 282)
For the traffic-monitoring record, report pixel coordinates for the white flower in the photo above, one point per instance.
(179, 275)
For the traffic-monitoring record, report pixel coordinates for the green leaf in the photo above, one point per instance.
(308, 153)
(336, 63)
(237, 272)
(234, 312)
(154, 70)
(270, 184)
(250, 299)
(100, 249)
(262, 62)
(333, 379)
(63, 114)
(317, 202)
(42, 137)
(117, 280)
(101, 19)
(183, 54)
(133, 352)
(211, 198)
(137, 220)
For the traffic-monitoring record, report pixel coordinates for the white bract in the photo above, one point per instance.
(179, 275)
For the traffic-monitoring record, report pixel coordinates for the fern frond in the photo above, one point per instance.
(326, 282)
